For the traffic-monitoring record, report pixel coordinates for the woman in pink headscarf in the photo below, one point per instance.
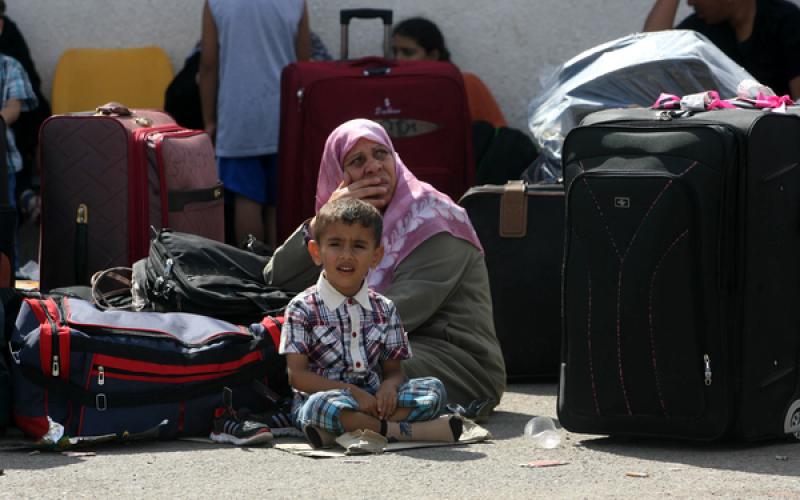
(433, 267)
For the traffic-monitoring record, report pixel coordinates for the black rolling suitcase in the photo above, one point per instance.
(682, 275)
(521, 228)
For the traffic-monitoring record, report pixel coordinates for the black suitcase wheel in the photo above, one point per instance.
(793, 420)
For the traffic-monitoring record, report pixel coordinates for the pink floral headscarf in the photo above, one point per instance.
(417, 210)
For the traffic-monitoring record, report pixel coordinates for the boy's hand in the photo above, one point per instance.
(366, 402)
(387, 400)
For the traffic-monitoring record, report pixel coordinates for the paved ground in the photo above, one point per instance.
(596, 467)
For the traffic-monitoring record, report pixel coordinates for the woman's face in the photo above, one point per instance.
(369, 159)
(407, 49)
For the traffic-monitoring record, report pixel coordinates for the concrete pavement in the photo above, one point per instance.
(594, 467)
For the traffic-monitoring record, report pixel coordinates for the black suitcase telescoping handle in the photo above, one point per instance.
(346, 15)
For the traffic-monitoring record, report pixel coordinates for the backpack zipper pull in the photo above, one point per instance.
(55, 368)
(101, 375)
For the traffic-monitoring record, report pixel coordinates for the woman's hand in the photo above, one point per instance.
(371, 189)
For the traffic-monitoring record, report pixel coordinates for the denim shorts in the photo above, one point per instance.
(254, 177)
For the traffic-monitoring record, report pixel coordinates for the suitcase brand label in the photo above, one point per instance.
(387, 109)
(622, 202)
(402, 127)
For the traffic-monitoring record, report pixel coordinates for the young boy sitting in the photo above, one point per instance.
(344, 343)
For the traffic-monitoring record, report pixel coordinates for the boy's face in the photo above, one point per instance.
(346, 253)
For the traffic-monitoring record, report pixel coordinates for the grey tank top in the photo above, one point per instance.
(256, 41)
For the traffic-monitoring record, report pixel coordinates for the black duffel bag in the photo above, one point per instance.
(188, 273)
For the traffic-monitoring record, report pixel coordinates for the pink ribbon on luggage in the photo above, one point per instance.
(711, 101)
(770, 101)
(667, 101)
(714, 102)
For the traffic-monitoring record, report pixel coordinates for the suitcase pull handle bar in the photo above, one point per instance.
(345, 15)
(374, 66)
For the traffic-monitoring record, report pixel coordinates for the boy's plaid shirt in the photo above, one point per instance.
(345, 338)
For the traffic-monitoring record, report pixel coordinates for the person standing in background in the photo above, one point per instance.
(762, 36)
(16, 96)
(26, 127)
(244, 47)
(418, 38)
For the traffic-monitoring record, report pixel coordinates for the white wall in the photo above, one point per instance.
(510, 44)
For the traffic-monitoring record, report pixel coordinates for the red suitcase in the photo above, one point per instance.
(422, 104)
(107, 177)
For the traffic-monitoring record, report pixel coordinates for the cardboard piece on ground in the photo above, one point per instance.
(472, 433)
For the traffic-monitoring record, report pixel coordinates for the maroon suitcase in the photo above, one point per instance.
(422, 104)
(107, 177)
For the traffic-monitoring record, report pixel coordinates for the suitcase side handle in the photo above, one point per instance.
(346, 15)
(373, 65)
(113, 108)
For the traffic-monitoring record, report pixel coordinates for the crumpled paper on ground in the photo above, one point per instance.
(362, 442)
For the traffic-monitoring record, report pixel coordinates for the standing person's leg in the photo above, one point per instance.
(270, 163)
(245, 178)
(12, 201)
(248, 219)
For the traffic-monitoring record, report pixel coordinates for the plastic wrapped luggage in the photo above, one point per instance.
(629, 71)
(422, 105)
(680, 274)
(107, 177)
(521, 228)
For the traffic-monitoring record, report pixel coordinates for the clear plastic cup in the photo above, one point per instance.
(543, 432)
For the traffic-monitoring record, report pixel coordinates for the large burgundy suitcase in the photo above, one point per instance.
(422, 104)
(107, 177)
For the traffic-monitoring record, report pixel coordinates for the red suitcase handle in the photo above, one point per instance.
(373, 65)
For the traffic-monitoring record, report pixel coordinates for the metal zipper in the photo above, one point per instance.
(55, 365)
(707, 369)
